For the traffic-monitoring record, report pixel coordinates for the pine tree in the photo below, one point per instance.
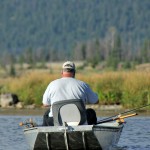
(145, 52)
(12, 70)
(116, 53)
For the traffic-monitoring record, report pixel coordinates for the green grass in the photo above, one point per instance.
(130, 89)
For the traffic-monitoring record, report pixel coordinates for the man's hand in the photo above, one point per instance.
(45, 105)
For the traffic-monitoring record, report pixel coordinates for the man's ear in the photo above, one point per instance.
(61, 72)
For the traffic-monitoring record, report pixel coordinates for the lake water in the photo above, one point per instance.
(135, 135)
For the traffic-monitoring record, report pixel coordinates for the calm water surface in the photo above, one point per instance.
(135, 135)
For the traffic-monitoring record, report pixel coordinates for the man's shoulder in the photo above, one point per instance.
(80, 82)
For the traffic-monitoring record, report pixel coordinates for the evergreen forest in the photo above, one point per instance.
(110, 31)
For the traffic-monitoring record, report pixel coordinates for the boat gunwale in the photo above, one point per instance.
(82, 128)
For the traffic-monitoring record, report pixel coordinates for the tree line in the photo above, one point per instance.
(109, 51)
(96, 31)
(59, 25)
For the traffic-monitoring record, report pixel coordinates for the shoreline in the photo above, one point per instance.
(100, 111)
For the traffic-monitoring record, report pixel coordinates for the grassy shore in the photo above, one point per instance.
(130, 89)
(127, 88)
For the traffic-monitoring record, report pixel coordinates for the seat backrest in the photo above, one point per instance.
(72, 112)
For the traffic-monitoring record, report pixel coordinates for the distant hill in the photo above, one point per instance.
(60, 24)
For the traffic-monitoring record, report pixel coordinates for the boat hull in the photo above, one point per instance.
(97, 137)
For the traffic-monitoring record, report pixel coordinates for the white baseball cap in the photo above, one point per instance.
(69, 65)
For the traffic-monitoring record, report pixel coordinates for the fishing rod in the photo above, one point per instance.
(116, 116)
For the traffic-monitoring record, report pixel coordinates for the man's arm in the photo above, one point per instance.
(46, 101)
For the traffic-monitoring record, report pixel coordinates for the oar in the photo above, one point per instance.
(116, 116)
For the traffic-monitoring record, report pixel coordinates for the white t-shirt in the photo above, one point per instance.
(68, 88)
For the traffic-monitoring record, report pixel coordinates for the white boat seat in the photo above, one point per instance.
(71, 112)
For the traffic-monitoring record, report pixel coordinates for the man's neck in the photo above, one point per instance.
(67, 74)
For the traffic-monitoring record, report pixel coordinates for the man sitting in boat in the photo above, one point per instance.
(67, 88)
